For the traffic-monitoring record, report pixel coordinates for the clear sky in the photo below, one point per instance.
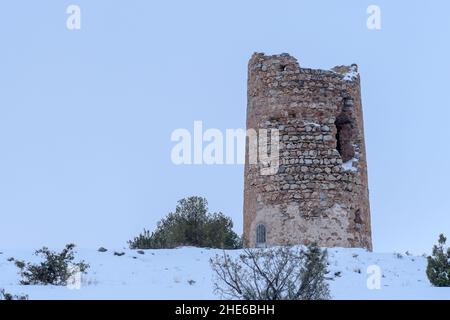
(86, 115)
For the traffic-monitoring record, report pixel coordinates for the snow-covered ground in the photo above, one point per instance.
(185, 273)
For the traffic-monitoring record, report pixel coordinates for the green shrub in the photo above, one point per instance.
(55, 269)
(190, 225)
(438, 268)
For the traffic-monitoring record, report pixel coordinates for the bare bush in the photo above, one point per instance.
(283, 273)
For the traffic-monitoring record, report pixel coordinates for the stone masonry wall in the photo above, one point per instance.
(320, 192)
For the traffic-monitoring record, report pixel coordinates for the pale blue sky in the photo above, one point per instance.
(86, 116)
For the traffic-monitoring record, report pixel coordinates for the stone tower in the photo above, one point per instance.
(319, 192)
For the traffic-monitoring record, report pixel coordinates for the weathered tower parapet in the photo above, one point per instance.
(320, 190)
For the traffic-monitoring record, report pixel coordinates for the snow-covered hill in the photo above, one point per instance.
(185, 273)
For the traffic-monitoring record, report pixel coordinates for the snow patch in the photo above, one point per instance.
(352, 74)
(185, 273)
(311, 124)
(348, 166)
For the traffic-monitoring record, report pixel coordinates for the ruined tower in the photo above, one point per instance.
(319, 192)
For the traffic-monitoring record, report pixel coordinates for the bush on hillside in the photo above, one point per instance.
(438, 268)
(190, 225)
(8, 296)
(282, 273)
(55, 269)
